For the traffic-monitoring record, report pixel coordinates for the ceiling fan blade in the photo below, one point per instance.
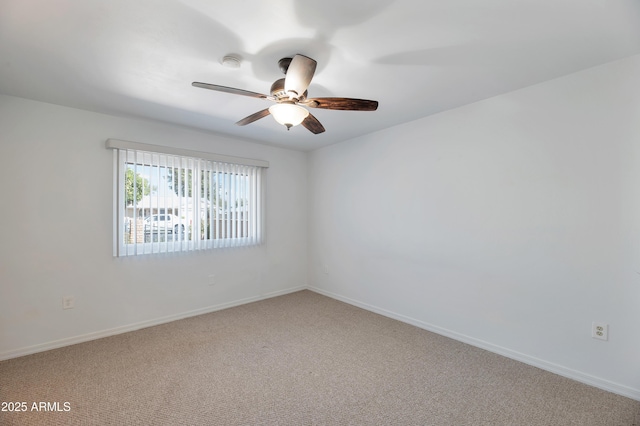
(231, 90)
(312, 124)
(253, 117)
(299, 75)
(345, 104)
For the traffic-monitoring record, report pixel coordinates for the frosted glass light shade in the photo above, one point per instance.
(288, 114)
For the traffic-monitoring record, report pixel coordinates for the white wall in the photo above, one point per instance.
(56, 212)
(511, 223)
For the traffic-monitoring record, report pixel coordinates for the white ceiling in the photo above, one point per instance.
(416, 57)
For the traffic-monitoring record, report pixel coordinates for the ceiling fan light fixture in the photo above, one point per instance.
(288, 114)
(290, 94)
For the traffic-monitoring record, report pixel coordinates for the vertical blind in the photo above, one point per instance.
(167, 202)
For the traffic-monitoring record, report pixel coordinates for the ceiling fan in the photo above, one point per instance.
(290, 95)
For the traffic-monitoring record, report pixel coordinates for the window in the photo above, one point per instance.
(171, 200)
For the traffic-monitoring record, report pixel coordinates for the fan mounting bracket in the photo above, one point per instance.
(284, 64)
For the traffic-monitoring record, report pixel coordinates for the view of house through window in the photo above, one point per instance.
(170, 203)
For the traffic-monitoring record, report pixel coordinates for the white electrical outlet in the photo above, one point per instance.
(68, 302)
(600, 330)
(212, 279)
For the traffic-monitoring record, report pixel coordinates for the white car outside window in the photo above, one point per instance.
(163, 223)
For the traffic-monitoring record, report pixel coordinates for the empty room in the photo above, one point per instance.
(382, 212)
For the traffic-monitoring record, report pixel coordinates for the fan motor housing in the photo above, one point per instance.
(277, 91)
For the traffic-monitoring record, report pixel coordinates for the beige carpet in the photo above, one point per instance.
(299, 359)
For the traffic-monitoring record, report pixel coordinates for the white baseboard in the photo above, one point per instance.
(518, 356)
(137, 326)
